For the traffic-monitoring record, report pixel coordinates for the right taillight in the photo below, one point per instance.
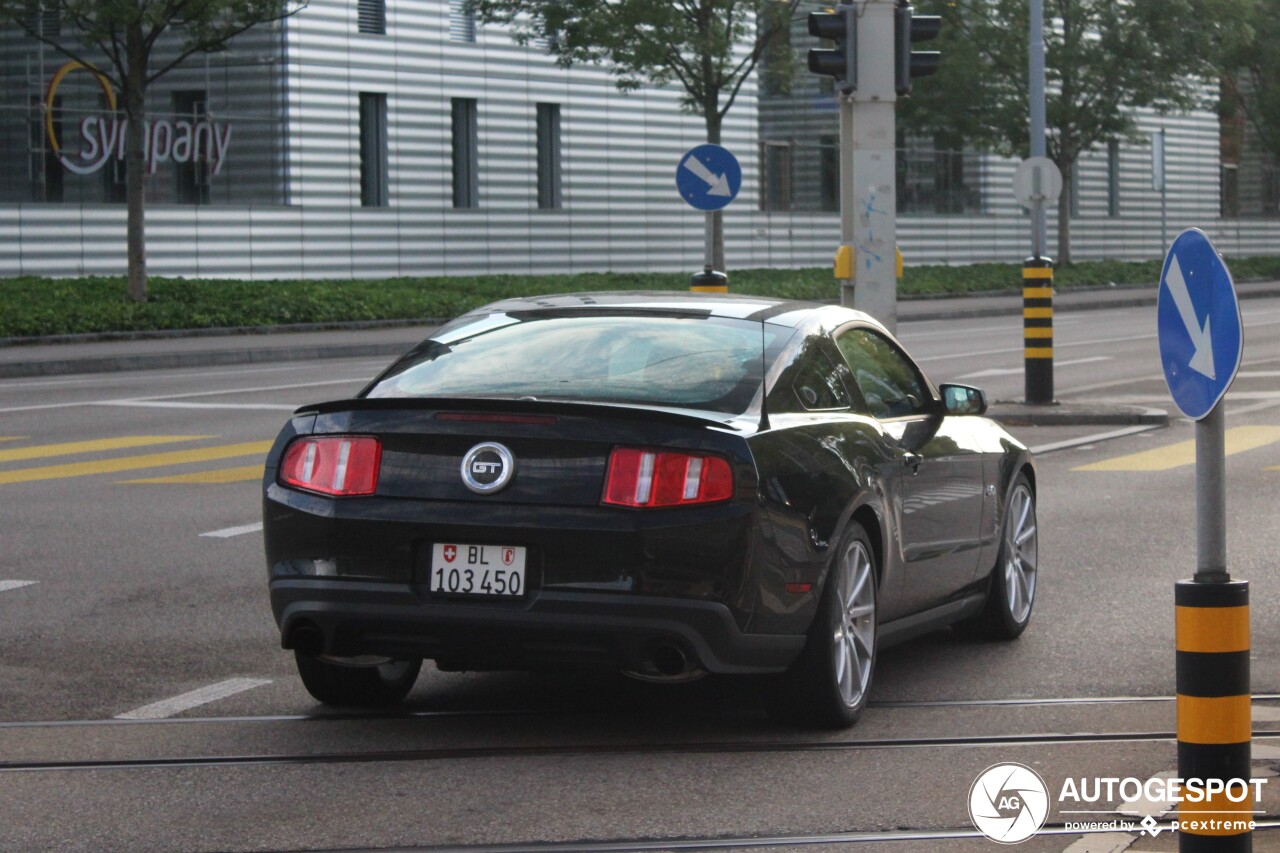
(662, 478)
(337, 465)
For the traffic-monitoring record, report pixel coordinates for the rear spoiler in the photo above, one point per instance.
(618, 411)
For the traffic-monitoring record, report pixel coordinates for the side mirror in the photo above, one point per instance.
(963, 400)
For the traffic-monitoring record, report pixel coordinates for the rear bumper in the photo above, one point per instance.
(546, 629)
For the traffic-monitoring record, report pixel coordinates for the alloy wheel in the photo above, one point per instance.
(855, 637)
(1020, 553)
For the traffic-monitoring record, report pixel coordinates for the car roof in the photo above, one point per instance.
(786, 312)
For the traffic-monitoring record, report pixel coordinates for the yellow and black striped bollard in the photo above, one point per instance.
(709, 281)
(1214, 727)
(1037, 328)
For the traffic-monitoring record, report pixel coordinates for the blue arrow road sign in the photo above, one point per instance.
(708, 177)
(1198, 321)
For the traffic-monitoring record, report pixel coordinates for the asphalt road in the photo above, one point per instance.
(131, 576)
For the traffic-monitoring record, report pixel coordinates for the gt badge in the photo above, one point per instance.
(488, 468)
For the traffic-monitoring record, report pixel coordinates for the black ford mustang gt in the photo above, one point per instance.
(665, 484)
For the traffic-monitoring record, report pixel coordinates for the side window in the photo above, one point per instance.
(818, 385)
(890, 383)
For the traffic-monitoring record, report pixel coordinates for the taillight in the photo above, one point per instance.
(658, 478)
(339, 465)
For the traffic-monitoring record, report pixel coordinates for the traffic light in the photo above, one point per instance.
(907, 29)
(839, 25)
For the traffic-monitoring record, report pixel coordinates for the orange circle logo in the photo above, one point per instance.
(56, 81)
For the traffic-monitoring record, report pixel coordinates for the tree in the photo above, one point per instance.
(695, 43)
(1251, 74)
(119, 40)
(1103, 60)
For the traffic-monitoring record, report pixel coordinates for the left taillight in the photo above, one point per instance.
(338, 465)
(661, 478)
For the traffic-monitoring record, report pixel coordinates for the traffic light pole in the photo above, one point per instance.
(868, 200)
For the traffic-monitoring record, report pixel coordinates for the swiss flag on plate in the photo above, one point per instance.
(450, 553)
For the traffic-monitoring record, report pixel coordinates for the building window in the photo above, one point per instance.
(1230, 204)
(373, 150)
(462, 21)
(775, 157)
(829, 173)
(371, 17)
(44, 168)
(466, 155)
(1113, 178)
(45, 21)
(192, 177)
(549, 156)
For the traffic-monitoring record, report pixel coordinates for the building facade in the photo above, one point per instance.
(382, 138)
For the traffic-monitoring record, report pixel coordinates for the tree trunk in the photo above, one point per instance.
(717, 217)
(135, 163)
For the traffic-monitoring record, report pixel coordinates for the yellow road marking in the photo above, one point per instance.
(1238, 440)
(41, 451)
(133, 463)
(223, 475)
(12, 437)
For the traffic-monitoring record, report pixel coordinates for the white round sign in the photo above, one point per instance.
(1037, 179)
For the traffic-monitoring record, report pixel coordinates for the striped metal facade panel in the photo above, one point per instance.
(619, 155)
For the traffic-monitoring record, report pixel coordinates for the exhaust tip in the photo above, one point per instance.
(307, 638)
(669, 660)
(667, 663)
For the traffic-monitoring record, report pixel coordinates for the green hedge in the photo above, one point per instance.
(41, 306)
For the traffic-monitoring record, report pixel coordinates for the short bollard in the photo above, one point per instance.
(1037, 328)
(709, 281)
(1214, 726)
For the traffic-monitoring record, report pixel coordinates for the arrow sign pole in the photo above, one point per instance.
(1211, 497)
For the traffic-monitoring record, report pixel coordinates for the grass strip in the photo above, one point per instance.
(34, 307)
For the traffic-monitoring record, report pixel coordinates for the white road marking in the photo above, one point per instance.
(1142, 807)
(1260, 751)
(1090, 439)
(228, 532)
(126, 400)
(5, 586)
(1258, 374)
(1102, 842)
(1060, 345)
(133, 377)
(173, 404)
(194, 699)
(1009, 371)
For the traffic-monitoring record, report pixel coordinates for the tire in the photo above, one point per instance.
(349, 684)
(828, 685)
(1012, 593)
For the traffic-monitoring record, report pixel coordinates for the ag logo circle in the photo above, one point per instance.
(488, 468)
(1008, 803)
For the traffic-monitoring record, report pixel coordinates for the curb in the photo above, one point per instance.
(1075, 414)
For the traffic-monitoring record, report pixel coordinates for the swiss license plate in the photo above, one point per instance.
(481, 570)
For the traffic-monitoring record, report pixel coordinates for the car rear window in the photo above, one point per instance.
(697, 362)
